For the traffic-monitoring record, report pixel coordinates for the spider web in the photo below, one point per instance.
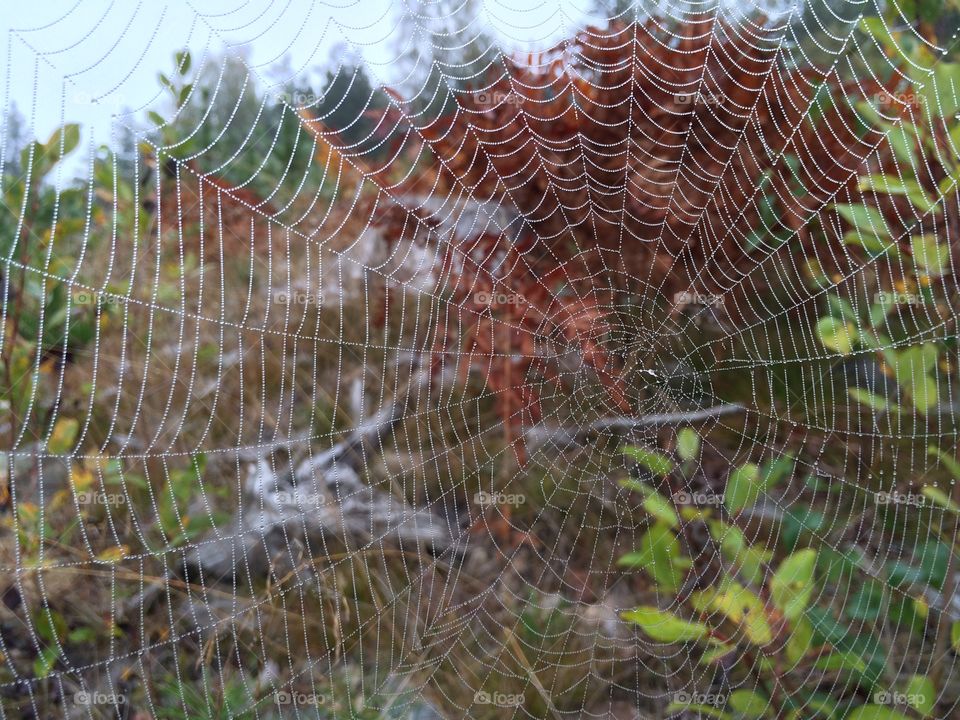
(317, 401)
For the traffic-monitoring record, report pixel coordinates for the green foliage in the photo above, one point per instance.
(666, 627)
(792, 585)
(173, 503)
(747, 559)
(913, 369)
(655, 462)
(837, 334)
(876, 712)
(749, 481)
(772, 598)
(688, 444)
(45, 225)
(660, 555)
(654, 503)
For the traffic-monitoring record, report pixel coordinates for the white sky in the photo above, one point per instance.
(88, 61)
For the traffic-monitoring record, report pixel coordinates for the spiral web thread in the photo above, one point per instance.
(389, 519)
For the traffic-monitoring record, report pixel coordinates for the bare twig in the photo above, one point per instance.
(576, 435)
(673, 418)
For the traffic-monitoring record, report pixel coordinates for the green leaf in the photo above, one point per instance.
(939, 497)
(893, 185)
(874, 340)
(700, 709)
(812, 706)
(776, 470)
(869, 115)
(50, 625)
(952, 465)
(880, 309)
(867, 603)
(902, 140)
(665, 627)
(911, 368)
(837, 335)
(658, 506)
(800, 641)
(876, 402)
(716, 653)
(70, 134)
(748, 559)
(929, 255)
(916, 359)
(659, 555)
(82, 635)
(841, 567)
(955, 635)
(842, 661)
(657, 463)
(45, 661)
(792, 584)
(815, 275)
(921, 694)
(841, 308)
(947, 184)
(688, 444)
(942, 90)
(857, 641)
(876, 247)
(903, 613)
(48, 154)
(744, 608)
(749, 703)
(876, 712)
(865, 218)
(183, 61)
(62, 438)
(903, 573)
(184, 94)
(743, 487)
(654, 503)
(928, 565)
(934, 559)
(877, 29)
(923, 391)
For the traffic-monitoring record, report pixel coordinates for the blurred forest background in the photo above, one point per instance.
(421, 401)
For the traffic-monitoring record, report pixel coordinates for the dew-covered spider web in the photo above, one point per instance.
(479, 359)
